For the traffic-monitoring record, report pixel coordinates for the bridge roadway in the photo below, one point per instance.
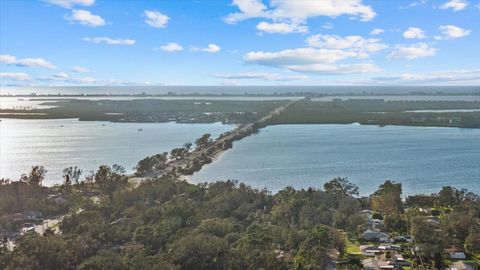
(239, 132)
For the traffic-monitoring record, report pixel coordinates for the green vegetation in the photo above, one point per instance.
(307, 111)
(152, 110)
(170, 224)
(379, 112)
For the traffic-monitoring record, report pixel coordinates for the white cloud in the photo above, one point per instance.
(85, 17)
(413, 51)
(65, 77)
(156, 19)
(310, 60)
(327, 25)
(71, 3)
(452, 31)
(109, 41)
(336, 69)
(377, 31)
(78, 69)
(282, 28)
(61, 76)
(248, 9)
(17, 76)
(438, 77)
(211, 48)
(414, 4)
(259, 75)
(297, 56)
(25, 62)
(414, 33)
(170, 47)
(361, 46)
(84, 80)
(455, 5)
(298, 12)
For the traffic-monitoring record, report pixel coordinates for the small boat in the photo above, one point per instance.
(140, 129)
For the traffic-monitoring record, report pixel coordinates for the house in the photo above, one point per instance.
(367, 214)
(455, 252)
(461, 265)
(28, 215)
(390, 247)
(375, 223)
(370, 235)
(370, 251)
(376, 264)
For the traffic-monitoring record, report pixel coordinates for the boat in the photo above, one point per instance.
(140, 129)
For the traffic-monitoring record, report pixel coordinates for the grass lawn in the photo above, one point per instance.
(353, 247)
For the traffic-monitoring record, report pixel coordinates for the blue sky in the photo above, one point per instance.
(240, 42)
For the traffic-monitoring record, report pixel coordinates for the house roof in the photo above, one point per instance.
(461, 265)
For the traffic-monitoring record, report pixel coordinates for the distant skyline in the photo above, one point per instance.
(239, 42)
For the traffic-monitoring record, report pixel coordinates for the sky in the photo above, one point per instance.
(239, 42)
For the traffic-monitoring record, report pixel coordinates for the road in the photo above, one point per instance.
(215, 146)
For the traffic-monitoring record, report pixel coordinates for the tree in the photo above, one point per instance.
(457, 226)
(203, 141)
(152, 163)
(108, 180)
(387, 199)
(35, 177)
(178, 152)
(71, 174)
(428, 240)
(187, 146)
(38, 252)
(472, 243)
(449, 196)
(341, 188)
(199, 251)
(104, 260)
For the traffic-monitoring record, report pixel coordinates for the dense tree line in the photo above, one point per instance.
(170, 224)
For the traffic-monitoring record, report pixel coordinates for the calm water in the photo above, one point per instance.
(407, 98)
(423, 159)
(57, 144)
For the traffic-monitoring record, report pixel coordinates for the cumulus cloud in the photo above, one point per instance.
(455, 5)
(78, 69)
(170, 47)
(457, 76)
(361, 46)
(452, 31)
(61, 76)
(414, 33)
(327, 25)
(414, 4)
(377, 31)
(282, 28)
(85, 17)
(413, 51)
(259, 75)
(311, 60)
(248, 9)
(25, 62)
(110, 41)
(71, 3)
(156, 19)
(16, 76)
(211, 48)
(65, 77)
(285, 13)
